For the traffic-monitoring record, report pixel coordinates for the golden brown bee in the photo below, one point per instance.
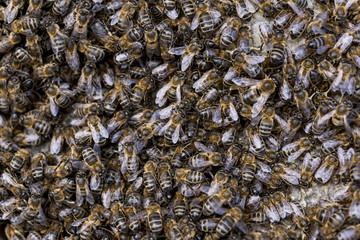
(37, 166)
(82, 189)
(125, 14)
(282, 19)
(25, 25)
(140, 89)
(214, 203)
(131, 159)
(10, 183)
(149, 176)
(249, 168)
(334, 223)
(103, 34)
(206, 17)
(72, 56)
(40, 126)
(19, 159)
(171, 130)
(172, 230)
(47, 70)
(171, 90)
(188, 53)
(93, 53)
(81, 24)
(57, 38)
(343, 81)
(355, 168)
(354, 210)
(309, 166)
(8, 42)
(228, 222)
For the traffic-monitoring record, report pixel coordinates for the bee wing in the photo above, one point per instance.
(249, 6)
(272, 213)
(103, 130)
(258, 106)
(94, 182)
(78, 222)
(112, 125)
(115, 18)
(164, 128)
(254, 59)
(31, 137)
(291, 178)
(356, 60)
(55, 145)
(340, 194)
(166, 112)
(124, 164)
(217, 114)
(176, 135)
(210, 190)
(186, 190)
(11, 12)
(295, 155)
(172, 14)
(79, 198)
(195, 22)
(289, 146)
(273, 143)
(324, 173)
(178, 94)
(161, 94)
(230, 161)
(202, 148)
(89, 197)
(159, 68)
(186, 61)
(240, 10)
(53, 107)
(326, 117)
(296, 9)
(349, 3)
(85, 226)
(262, 176)
(354, 209)
(245, 82)
(177, 51)
(285, 91)
(297, 212)
(300, 52)
(344, 42)
(263, 166)
(82, 133)
(223, 28)
(227, 134)
(233, 113)
(95, 134)
(348, 86)
(283, 124)
(199, 82)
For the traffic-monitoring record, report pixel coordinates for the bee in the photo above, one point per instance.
(350, 232)
(25, 58)
(172, 230)
(154, 217)
(229, 33)
(83, 110)
(25, 25)
(93, 53)
(340, 117)
(91, 159)
(164, 176)
(37, 166)
(171, 90)
(247, 63)
(302, 101)
(227, 107)
(104, 36)
(232, 156)
(131, 159)
(72, 56)
(60, 7)
(117, 121)
(340, 11)
(149, 177)
(322, 43)
(189, 8)
(206, 17)
(187, 53)
(57, 38)
(82, 189)
(205, 159)
(9, 41)
(192, 177)
(208, 225)
(19, 159)
(40, 126)
(215, 202)
(308, 168)
(58, 97)
(231, 219)
(323, 115)
(125, 14)
(288, 175)
(118, 219)
(325, 171)
(257, 144)
(293, 150)
(171, 130)
(179, 205)
(333, 224)
(164, 70)
(355, 168)
(45, 71)
(10, 183)
(249, 168)
(166, 39)
(267, 120)
(244, 9)
(98, 131)
(354, 210)
(89, 223)
(81, 24)
(344, 82)
(140, 89)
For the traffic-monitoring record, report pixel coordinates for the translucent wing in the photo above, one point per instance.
(217, 114)
(199, 82)
(285, 91)
(249, 6)
(230, 74)
(258, 106)
(176, 135)
(296, 9)
(201, 147)
(292, 179)
(55, 145)
(354, 210)
(164, 128)
(195, 22)
(324, 173)
(297, 211)
(227, 134)
(79, 198)
(240, 10)
(245, 82)
(344, 42)
(172, 14)
(254, 59)
(233, 113)
(103, 131)
(272, 213)
(295, 155)
(115, 18)
(284, 125)
(166, 112)
(186, 61)
(177, 50)
(326, 117)
(53, 107)
(95, 134)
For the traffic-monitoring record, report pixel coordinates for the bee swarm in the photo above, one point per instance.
(187, 119)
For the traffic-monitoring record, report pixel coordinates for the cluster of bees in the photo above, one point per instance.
(188, 119)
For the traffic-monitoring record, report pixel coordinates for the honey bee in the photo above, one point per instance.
(355, 168)
(344, 82)
(325, 171)
(103, 34)
(290, 176)
(40, 126)
(206, 17)
(187, 53)
(171, 130)
(93, 53)
(125, 14)
(228, 33)
(25, 26)
(308, 168)
(58, 97)
(72, 56)
(229, 221)
(354, 210)
(232, 156)
(81, 24)
(131, 159)
(164, 70)
(244, 9)
(10, 183)
(149, 177)
(140, 89)
(205, 82)
(57, 38)
(60, 7)
(89, 223)
(205, 159)
(293, 150)
(298, 27)
(19, 159)
(340, 11)
(350, 232)
(37, 166)
(282, 19)
(340, 118)
(215, 202)
(171, 90)
(47, 70)
(98, 130)
(334, 223)
(9, 41)
(82, 189)
(322, 43)
(227, 107)
(172, 230)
